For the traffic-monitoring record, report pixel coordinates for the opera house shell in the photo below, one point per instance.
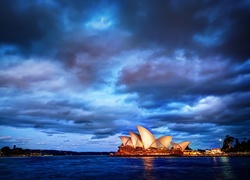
(145, 143)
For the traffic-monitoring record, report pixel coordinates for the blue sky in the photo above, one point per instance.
(75, 75)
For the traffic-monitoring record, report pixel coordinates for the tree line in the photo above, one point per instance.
(231, 144)
(7, 151)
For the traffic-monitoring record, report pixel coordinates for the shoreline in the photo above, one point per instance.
(132, 156)
(245, 154)
(179, 156)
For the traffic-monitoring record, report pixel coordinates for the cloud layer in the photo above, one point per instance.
(84, 72)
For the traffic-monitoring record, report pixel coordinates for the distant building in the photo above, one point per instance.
(216, 151)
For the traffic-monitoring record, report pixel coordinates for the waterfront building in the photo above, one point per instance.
(145, 143)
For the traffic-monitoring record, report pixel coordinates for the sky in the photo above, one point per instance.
(76, 75)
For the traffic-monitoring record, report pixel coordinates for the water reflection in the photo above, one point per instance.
(148, 164)
(226, 168)
(215, 161)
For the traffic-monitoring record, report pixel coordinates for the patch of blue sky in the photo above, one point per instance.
(6, 48)
(176, 105)
(102, 18)
(245, 67)
(10, 51)
(209, 39)
(161, 130)
(100, 22)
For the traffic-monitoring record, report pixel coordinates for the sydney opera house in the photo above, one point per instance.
(145, 143)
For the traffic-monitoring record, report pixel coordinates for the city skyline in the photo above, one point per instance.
(77, 75)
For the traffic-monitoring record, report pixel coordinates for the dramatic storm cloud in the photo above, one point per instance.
(76, 75)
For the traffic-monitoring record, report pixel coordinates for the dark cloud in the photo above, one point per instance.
(67, 116)
(157, 83)
(202, 128)
(25, 23)
(222, 26)
(167, 23)
(103, 133)
(237, 42)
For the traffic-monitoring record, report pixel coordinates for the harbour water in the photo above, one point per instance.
(104, 167)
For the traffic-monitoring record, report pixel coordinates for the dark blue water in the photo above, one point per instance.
(103, 167)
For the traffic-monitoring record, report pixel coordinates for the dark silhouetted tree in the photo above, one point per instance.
(227, 143)
(237, 146)
(248, 145)
(244, 145)
(6, 150)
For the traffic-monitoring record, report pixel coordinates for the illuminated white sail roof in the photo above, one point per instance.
(124, 139)
(136, 139)
(164, 141)
(129, 142)
(175, 145)
(182, 146)
(147, 140)
(147, 137)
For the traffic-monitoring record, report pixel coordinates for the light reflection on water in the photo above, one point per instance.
(103, 167)
(148, 163)
(215, 161)
(227, 169)
(148, 166)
